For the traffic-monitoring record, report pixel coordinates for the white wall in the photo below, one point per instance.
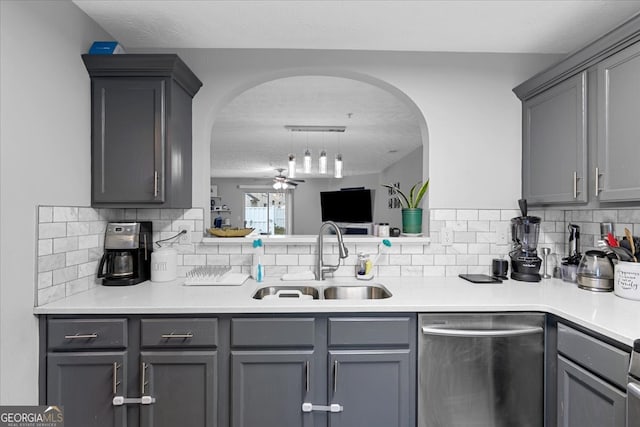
(473, 118)
(44, 159)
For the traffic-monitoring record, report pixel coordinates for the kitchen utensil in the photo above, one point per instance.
(612, 241)
(545, 258)
(632, 245)
(626, 281)
(623, 254)
(605, 229)
(595, 272)
(523, 206)
(127, 253)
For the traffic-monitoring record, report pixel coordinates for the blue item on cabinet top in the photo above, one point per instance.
(106, 48)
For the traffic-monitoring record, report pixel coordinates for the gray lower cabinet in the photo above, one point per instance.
(618, 126)
(184, 385)
(268, 388)
(373, 387)
(584, 400)
(554, 144)
(85, 383)
(335, 371)
(591, 380)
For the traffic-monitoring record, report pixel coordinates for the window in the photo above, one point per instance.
(267, 212)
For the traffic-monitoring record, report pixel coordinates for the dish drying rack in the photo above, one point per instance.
(214, 275)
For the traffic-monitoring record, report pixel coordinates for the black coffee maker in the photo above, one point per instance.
(525, 263)
(127, 253)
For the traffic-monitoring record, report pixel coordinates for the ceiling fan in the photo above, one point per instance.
(282, 181)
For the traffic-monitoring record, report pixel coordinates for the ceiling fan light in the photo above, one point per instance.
(292, 166)
(338, 166)
(306, 165)
(322, 162)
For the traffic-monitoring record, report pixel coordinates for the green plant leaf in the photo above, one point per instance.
(421, 193)
(403, 199)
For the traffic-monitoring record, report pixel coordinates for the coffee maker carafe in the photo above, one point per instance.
(127, 253)
(525, 263)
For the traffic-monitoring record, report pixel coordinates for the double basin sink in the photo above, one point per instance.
(331, 292)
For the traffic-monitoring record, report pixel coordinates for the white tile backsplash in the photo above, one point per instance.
(71, 241)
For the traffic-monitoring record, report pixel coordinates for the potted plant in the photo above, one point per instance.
(411, 210)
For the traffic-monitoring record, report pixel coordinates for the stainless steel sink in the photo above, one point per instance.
(357, 292)
(287, 292)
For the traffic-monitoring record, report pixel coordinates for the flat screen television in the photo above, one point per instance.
(350, 205)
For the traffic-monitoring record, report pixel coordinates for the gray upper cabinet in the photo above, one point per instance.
(554, 157)
(618, 126)
(141, 130)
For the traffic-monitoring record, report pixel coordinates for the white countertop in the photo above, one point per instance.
(605, 313)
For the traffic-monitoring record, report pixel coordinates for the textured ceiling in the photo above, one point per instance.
(249, 133)
(543, 26)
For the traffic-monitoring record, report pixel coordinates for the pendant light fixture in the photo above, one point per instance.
(307, 161)
(322, 162)
(337, 167)
(292, 166)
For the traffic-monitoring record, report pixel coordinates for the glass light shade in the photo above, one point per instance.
(322, 162)
(338, 166)
(307, 161)
(292, 166)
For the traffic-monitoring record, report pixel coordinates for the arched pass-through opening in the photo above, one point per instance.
(227, 105)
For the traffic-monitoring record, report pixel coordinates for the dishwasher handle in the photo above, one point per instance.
(479, 333)
(634, 390)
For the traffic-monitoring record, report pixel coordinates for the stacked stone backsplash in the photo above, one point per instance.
(71, 240)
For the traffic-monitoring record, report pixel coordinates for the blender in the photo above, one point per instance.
(525, 263)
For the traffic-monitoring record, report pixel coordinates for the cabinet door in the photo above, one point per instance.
(128, 137)
(85, 384)
(373, 387)
(184, 384)
(618, 126)
(554, 152)
(268, 388)
(585, 400)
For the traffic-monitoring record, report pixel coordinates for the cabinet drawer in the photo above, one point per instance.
(359, 331)
(599, 357)
(273, 332)
(179, 333)
(75, 334)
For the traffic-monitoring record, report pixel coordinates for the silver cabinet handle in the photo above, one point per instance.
(143, 378)
(598, 181)
(180, 336)
(155, 183)
(575, 184)
(307, 375)
(634, 389)
(335, 376)
(436, 330)
(116, 383)
(81, 336)
(334, 407)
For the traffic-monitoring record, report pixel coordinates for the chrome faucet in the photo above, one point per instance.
(321, 268)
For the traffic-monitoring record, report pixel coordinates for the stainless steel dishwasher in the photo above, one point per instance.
(481, 370)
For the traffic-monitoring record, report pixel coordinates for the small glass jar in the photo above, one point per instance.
(383, 229)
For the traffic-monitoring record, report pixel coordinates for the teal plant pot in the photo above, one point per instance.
(412, 221)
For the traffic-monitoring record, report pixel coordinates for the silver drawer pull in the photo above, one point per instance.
(81, 336)
(144, 400)
(633, 390)
(334, 407)
(181, 336)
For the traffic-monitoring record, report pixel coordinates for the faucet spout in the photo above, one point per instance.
(343, 252)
